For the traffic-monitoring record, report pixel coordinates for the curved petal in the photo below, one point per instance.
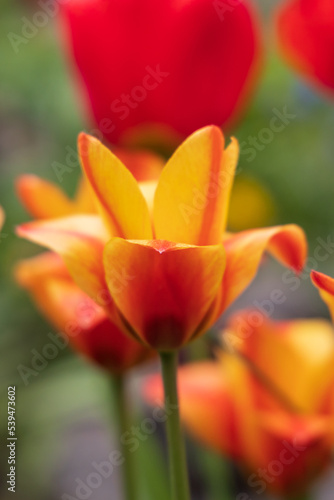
(325, 286)
(163, 290)
(193, 192)
(245, 250)
(28, 272)
(274, 349)
(123, 206)
(43, 199)
(80, 241)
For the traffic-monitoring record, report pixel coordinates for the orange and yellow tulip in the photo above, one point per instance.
(84, 323)
(157, 257)
(267, 403)
(78, 318)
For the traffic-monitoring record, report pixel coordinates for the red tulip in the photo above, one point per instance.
(175, 65)
(306, 36)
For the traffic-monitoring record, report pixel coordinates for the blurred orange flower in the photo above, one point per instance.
(2, 217)
(160, 249)
(174, 66)
(83, 322)
(267, 402)
(306, 36)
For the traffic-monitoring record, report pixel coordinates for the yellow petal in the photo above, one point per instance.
(123, 205)
(192, 197)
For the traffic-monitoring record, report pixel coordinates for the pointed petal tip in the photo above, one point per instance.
(24, 185)
(22, 180)
(213, 130)
(84, 140)
(22, 230)
(322, 281)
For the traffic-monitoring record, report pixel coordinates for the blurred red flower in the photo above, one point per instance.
(306, 36)
(170, 66)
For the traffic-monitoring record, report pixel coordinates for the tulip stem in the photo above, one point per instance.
(176, 448)
(128, 466)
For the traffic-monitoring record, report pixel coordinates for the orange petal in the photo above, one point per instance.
(274, 349)
(42, 199)
(163, 290)
(122, 203)
(29, 272)
(204, 398)
(325, 286)
(2, 217)
(193, 192)
(245, 250)
(86, 325)
(80, 241)
(76, 316)
(301, 445)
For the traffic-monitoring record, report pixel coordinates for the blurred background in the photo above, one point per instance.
(64, 410)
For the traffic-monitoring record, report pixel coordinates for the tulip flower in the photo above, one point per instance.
(84, 323)
(325, 285)
(306, 36)
(150, 67)
(157, 256)
(163, 266)
(266, 403)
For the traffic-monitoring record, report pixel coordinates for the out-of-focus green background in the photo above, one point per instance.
(64, 410)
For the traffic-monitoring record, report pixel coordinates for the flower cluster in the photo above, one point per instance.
(141, 262)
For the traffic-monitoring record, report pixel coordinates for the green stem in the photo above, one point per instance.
(176, 449)
(128, 467)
